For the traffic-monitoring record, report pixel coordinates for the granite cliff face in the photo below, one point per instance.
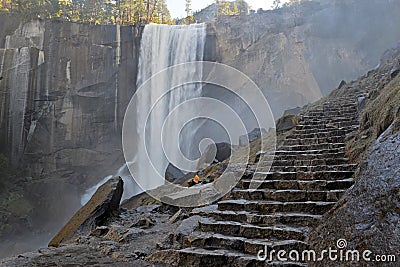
(298, 54)
(65, 87)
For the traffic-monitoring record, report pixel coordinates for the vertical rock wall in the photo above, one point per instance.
(296, 55)
(64, 90)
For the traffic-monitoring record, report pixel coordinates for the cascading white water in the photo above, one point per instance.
(130, 187)
(162, 46)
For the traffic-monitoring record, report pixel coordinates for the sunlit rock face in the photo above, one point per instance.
(297, 55)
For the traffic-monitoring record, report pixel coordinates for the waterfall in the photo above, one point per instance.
(161, 46)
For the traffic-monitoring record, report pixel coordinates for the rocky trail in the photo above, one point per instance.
(309, 174)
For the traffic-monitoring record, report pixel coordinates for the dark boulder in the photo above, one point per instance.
(224, 151)
(342, 84)
(286, 123)
(215, 152)
(172, 173)
(395, 71)
(103, 205)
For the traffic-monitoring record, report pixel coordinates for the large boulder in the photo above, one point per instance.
(218, 152)
(172, 173)
(286, 123)
(103, 205)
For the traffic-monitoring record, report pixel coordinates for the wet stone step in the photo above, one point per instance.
(310, 156)
(342, 123)
(331, 114)
(317, 168)
(324, 120)
(216, 258)
(270, 233)
(297, 135)
(336, 118)
(195, 256)
(301, 156)
(313, 147)
(292, 219)
(289, 195)
(316, 208)
(316, 185)
(328, 132)
(306, 162)
(327, 127)
(327, 117)
(339, 105)
(324, 175)
(283, 152)
(312, 141)
(208, 240)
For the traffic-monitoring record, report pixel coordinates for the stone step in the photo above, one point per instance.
(317, 185)
(317, 121)
(338, 106)
(269, 207)
(198, 257)
(324, 175)
(312, 141)
(340, 123)
(289, 195)
(325, 132)
(299, 161)
(342, 105)
(304, 156)
(329, 119)
(299, 135)
(317, 168)
(212, 241)
(327, 127)
(284, 151)
(331, 114)
(313, 146)
(336, 118)
(270, 233)
(292, 219)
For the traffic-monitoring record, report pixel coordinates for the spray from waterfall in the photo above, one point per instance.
(162, 46)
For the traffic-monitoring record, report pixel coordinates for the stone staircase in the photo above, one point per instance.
(309, 174)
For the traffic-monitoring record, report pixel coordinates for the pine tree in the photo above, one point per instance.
(6, 5)
(242, 7)
(188, 8)
(124, 12)
(276, 4)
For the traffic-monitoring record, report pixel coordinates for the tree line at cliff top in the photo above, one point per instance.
(123, 12)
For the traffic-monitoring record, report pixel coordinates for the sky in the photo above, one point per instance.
(177, 7)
